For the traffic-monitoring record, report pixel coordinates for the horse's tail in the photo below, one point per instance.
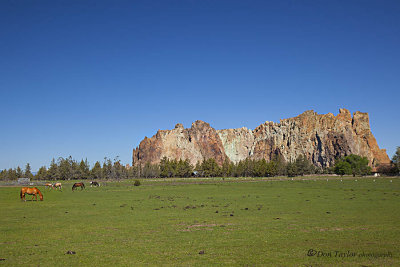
(73, 186)
(20, 193)
(83, 185)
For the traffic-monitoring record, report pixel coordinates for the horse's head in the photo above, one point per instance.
(40, 193)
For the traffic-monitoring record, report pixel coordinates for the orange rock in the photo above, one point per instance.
(321, 138)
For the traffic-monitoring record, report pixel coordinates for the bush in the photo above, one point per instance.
(352, 164)
(136, 183)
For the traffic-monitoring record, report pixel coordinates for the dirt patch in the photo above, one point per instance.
(197, 227)
(340, 229)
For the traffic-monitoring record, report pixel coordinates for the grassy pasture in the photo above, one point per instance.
(168, 222)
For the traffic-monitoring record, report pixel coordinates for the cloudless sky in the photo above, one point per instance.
(91, 79)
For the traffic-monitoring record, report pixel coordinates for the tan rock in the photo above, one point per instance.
(321, 138)
(196, 143)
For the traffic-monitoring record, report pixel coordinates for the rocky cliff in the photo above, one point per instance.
(321, 138)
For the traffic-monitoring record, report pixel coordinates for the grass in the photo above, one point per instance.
(205, 222)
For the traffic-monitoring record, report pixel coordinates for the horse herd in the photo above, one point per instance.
(34, 191)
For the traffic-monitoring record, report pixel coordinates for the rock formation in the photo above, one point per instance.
(321, 138)
(199, 142)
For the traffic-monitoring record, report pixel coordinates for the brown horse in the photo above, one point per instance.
(30, 191)
(48, 185)
(81, 185)
(57, 186)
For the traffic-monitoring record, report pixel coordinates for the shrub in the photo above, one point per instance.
(136, 183)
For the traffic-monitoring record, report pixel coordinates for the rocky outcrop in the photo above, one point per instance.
(321, 138)
(199, 142)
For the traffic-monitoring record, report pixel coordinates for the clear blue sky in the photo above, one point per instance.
(91, 78)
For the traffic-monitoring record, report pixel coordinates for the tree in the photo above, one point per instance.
(28, 173)
(11, 174)
(210, 168)
(95, 173)
(151, 170)
(291, 169)
(184, 168)
(166, 168)
(52, 172)
(198, 169)
(20, 174)
(352, 164)
(225, 170)
(107, 168)
(342, 167)
(279, 164)
(83, 169)
(132, 172)
(3, 175)
(42, 173)
(271, 168)
(117, 170)
(64, 169)
(260, 168)
(396, 160)
(304, 166)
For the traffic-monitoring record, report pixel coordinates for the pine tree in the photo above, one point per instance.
(165, 167)
(11, 174)
(19, 172)
(396, 161)
(107, 168)
(95, 173)
(83, 169)
(225, 168)
(52, 172)
(42, 173)
(260, 168)
(28, 173)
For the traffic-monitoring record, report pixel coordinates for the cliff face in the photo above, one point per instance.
(321, 138)
(199, 142)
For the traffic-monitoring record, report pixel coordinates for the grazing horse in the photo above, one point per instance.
(94, 183)
(57, 186)
(49, 185)
(81, 185)
(30, 191)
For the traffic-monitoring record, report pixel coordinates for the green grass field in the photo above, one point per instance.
(172, 222)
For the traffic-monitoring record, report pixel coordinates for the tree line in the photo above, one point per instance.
(68, 168)
(244, 168)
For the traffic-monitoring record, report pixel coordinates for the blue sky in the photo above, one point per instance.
(91, 78)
